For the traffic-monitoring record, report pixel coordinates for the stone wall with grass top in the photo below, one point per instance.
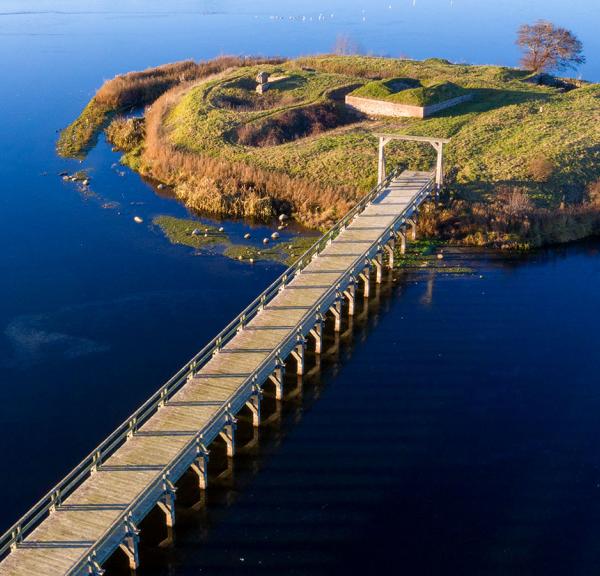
(372, 107)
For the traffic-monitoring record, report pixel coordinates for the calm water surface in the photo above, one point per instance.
(460, 435)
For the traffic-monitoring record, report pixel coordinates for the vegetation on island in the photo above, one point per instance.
(410, 92)
(523, 164)
(203, 236)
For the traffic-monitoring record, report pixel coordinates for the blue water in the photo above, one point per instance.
(483, 394)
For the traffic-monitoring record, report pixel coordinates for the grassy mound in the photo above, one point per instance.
(522, 158)
(403, 91)
(134, 90)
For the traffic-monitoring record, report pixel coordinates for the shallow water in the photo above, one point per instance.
(474, 398)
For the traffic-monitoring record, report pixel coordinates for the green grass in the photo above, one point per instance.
(509, 122)
(81, 135)
(494, 137)
(403, 91)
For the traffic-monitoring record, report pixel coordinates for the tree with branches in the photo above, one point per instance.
(548, 47)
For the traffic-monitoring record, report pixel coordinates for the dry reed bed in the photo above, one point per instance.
(234, 189)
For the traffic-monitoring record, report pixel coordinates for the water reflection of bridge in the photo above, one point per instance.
(205, 408)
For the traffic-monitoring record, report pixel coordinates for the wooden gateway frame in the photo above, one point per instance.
(437, 143)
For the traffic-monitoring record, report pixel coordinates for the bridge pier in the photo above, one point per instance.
(167, 502)
(200, 467)
(412, 222)
(378, 263)
(298, 355)
(389, 248)
(253, 405)
(402, 236)
(350, 294)
(277, 378)
(317, 333)
(366, 277)
(336, 310)
(130, 545)
(228, 434)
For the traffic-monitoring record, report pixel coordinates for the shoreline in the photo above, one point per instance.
(552, 206)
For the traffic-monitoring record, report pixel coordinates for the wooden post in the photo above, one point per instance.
(200, 467)
(277, 378)
(298, 354)
(366, 276)
(439, 167)
(254, 405)
(336, 310)
(167, 502)
(389, 247)
(377, 262)
(402, 235)
(130, 544)
(228, 434)
(317, 332)
(350, 294)
(381, 162)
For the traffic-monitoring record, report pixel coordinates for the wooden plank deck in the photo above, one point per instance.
(65, 538)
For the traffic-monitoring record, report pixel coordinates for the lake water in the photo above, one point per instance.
(460, 435)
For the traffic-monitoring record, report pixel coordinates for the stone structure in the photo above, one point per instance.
(373, 107)
(262, 79)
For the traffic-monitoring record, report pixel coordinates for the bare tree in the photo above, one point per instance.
(345, 45)
(549, 47)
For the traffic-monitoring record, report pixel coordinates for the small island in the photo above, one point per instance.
(256, 138)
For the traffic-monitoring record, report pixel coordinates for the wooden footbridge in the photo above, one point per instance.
(98, 507)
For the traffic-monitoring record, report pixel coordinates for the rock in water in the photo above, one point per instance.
(275, 235)
(137, 219)
(265, 240)
(221, 229)
(247, 236)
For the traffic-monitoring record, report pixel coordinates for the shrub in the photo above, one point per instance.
(593, 191)
(541, 168)
(126, 133)
(290, 125)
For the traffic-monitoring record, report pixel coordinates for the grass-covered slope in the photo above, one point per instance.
(519, 150)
